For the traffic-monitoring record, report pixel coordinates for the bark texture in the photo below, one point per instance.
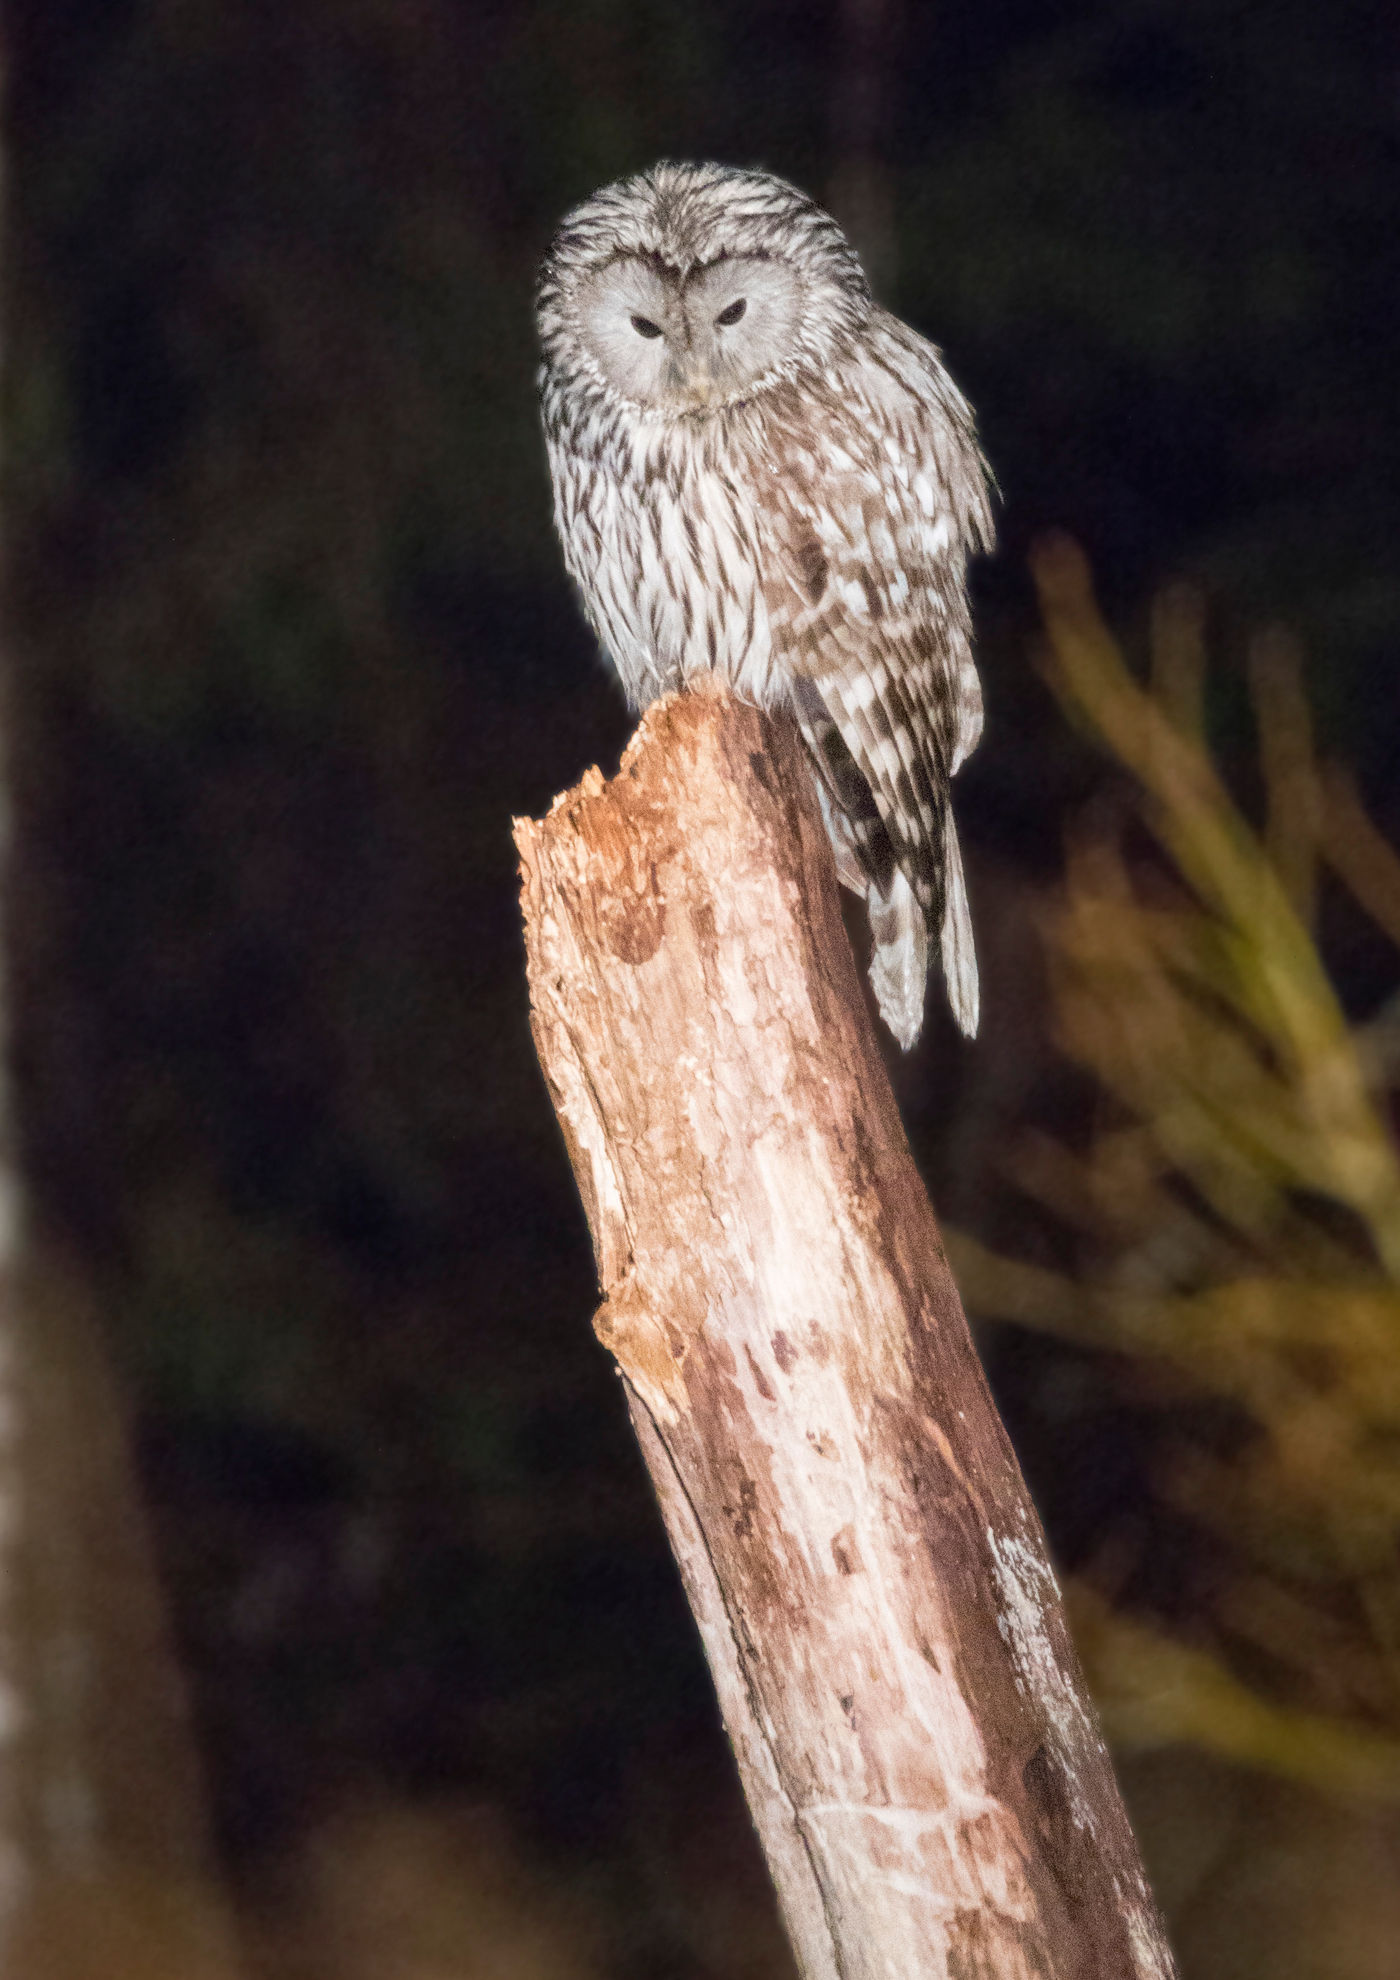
(865, 1566)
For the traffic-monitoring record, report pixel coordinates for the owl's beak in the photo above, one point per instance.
(692, 384)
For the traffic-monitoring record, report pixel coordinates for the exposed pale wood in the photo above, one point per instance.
(866, 1569)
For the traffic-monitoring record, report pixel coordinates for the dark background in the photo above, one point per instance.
(293, 644)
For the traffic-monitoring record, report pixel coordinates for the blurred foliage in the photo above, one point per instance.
(1235, 1214)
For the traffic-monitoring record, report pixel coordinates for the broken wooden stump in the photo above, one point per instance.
(862, 1557)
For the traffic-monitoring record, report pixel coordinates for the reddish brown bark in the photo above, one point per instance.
(865, 1566)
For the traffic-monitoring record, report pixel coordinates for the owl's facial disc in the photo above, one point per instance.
(630, 318)
(687, 346)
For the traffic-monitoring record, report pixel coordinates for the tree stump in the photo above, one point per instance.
(863, 1560)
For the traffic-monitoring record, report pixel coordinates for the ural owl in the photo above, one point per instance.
(760, 473)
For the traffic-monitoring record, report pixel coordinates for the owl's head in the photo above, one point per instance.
(691, 287)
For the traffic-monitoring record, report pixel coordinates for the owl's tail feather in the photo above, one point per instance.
(959, 953)
(899, 958)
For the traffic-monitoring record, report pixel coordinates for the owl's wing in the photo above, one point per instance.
(877, 495)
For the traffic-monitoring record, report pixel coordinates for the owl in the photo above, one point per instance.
(761, 474)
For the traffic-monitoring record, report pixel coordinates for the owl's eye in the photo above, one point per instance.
(644, 326)
(727, 318)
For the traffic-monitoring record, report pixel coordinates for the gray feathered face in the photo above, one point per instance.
(687, 342)
(692, 287)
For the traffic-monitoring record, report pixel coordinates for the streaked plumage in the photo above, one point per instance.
(759, 472)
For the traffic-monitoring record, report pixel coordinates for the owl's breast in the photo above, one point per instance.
(661, 536)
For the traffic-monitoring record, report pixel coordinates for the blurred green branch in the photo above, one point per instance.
(1237, 1215)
